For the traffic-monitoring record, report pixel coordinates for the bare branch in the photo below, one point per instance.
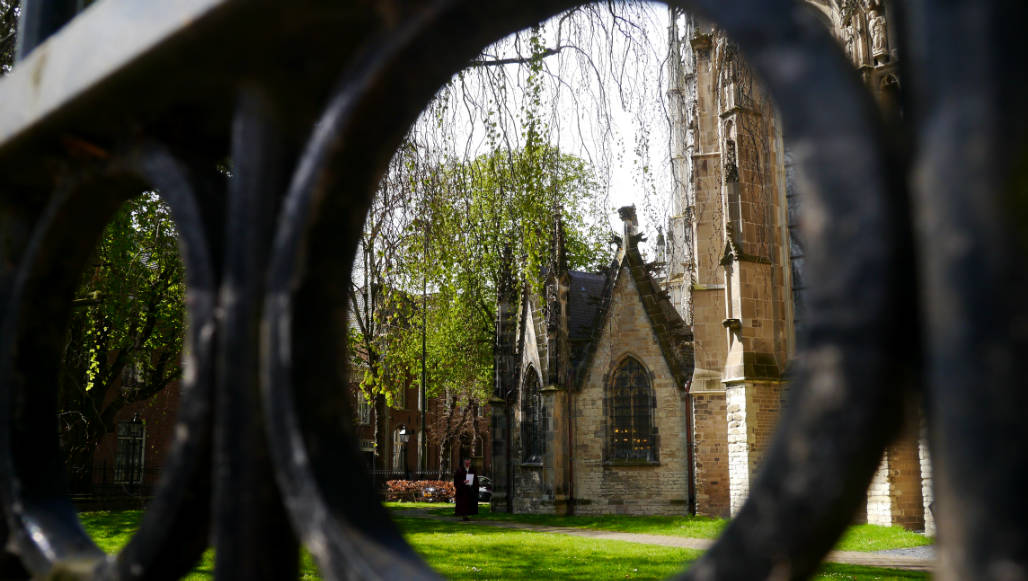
(519, 60)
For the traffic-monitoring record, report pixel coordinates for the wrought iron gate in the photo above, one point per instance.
(916, 268)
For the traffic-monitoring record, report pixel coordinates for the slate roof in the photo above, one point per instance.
(673, 335)
(589, 299)
(586, 294)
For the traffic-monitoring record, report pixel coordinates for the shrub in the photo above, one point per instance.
(402, 491)
(413, 491)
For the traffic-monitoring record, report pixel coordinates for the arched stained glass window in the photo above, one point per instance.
(632, 436)
(532, 419)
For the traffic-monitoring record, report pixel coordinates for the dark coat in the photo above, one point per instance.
(467, 496)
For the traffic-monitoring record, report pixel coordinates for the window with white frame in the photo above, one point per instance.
(363, 410)
(399, 451)
(132, 376)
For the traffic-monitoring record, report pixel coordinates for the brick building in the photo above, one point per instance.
(128, 459)
(392, 451)
(389, 434)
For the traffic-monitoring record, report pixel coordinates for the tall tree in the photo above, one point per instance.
(125, 337)
(472, 218)
(379, 295)
(471, 209)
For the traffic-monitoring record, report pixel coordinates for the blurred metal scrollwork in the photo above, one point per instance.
(916, 268)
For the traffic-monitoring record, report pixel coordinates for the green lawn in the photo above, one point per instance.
(857, 538)
(878, 538)
(678, 526)
(461, 551)
(111, 531)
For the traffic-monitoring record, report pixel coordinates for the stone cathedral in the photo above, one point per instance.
(655, 388)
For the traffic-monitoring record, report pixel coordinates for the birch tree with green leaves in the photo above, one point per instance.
(471, 199)
(471, 219)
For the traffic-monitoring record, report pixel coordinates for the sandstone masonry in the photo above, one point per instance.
(735, 257)
(662, 383)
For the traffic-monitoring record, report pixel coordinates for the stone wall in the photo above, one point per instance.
(738, 447)
(710, 427)
(533, 483)
(499, 427)
(879, 509)
(896, 495)
(531, 492)
(741, 294)
(927, 491)
(905, 480)
(702, 205)
(753, 409)
(734, 281)
(605, 488)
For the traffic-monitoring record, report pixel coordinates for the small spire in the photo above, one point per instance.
(560, 257)
(631, 223)
(661, 245)
(507, 286)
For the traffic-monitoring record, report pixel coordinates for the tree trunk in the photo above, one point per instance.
(383, 439)
(444, 459)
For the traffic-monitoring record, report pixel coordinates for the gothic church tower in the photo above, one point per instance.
(735, 255)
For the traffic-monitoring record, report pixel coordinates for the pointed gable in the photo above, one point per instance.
(589, 299)
(673, 335)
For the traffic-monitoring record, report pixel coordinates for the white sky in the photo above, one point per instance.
(601, 77)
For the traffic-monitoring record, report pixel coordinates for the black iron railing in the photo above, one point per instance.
(386, 475)
(915, 268)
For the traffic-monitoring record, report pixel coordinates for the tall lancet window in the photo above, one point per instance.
(630, 402)
(533, 420)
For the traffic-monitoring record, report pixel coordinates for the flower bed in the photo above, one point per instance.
(419, 490)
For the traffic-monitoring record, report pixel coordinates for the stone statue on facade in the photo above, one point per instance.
(860, 41)
(879, 38)
(849, 42)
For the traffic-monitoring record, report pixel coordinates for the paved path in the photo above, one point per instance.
(906, 559)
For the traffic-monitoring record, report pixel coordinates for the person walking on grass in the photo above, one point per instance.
(465, 482)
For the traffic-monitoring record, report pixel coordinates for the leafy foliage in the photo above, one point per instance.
(479, 224)
(492, 219)
(125, 337)
(9, 11)
(446, 232)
